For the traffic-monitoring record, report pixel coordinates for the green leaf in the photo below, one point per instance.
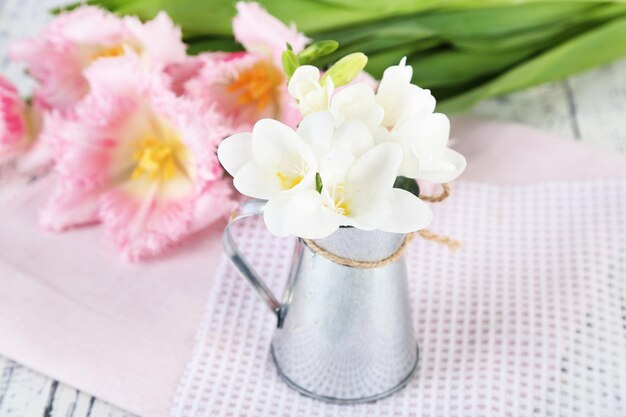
(376, 45)
(465, 50)
(214, 17)
(495, 21)
(595, 47)
(461, 21)
(408, 184)
(379, 61)
(448, 68)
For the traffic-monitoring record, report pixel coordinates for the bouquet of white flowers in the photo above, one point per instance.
(354, 157)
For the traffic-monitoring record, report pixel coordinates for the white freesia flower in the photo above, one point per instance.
(320, 131)
(424, 140)
(357, 102)
(356, 192)
(399, 98)
(280, 165)
(306, 88)
(410, 122)
(402, 112)
(270, 161)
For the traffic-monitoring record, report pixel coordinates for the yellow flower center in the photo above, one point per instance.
(257, 85)
(109, 52)
(293, 176)
(342, 208)
(341, 205)
(289, 181)
(157, 160)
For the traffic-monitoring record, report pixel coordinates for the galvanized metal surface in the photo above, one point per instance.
(343, 334)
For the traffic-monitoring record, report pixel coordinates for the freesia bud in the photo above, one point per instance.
(317, 50)
(290, 62)
(346, 69)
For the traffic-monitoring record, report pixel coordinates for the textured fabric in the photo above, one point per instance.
(529, 318)
(105, 324)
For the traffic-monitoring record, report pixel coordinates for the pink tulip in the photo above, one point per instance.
(57, 57)
(137, 158)
(13, 126)
(249, 86)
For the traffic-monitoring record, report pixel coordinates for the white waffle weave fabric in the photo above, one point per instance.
(528, 319)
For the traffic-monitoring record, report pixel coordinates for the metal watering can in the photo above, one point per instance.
(344, 334)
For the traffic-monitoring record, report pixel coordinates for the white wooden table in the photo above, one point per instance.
(590, 107)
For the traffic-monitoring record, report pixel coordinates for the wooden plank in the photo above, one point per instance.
(599, 98)
(545, 107)
(102, 409)
(6, 373)
(26, 392)
(590, 107)
(66, 401)
(69, 402)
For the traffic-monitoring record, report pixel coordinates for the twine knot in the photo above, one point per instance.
(424, 234)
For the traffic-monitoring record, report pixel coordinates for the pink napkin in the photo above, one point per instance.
(507, 153)
(70, 308)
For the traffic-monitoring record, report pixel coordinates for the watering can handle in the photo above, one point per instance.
(248, 209)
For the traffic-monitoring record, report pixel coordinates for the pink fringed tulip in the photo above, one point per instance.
(20, 124)
(181, 72)
(138, 158)
(13, 126)
(249, 86)
(58, 56)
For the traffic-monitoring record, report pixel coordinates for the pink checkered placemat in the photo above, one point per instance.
(528, 319)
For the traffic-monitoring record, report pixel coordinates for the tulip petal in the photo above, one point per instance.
(213, 204)
(260, 32)
(70, 205)
(143, 227)
(235, 151)
(13, 129)
(160, 37)
(408, 213)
